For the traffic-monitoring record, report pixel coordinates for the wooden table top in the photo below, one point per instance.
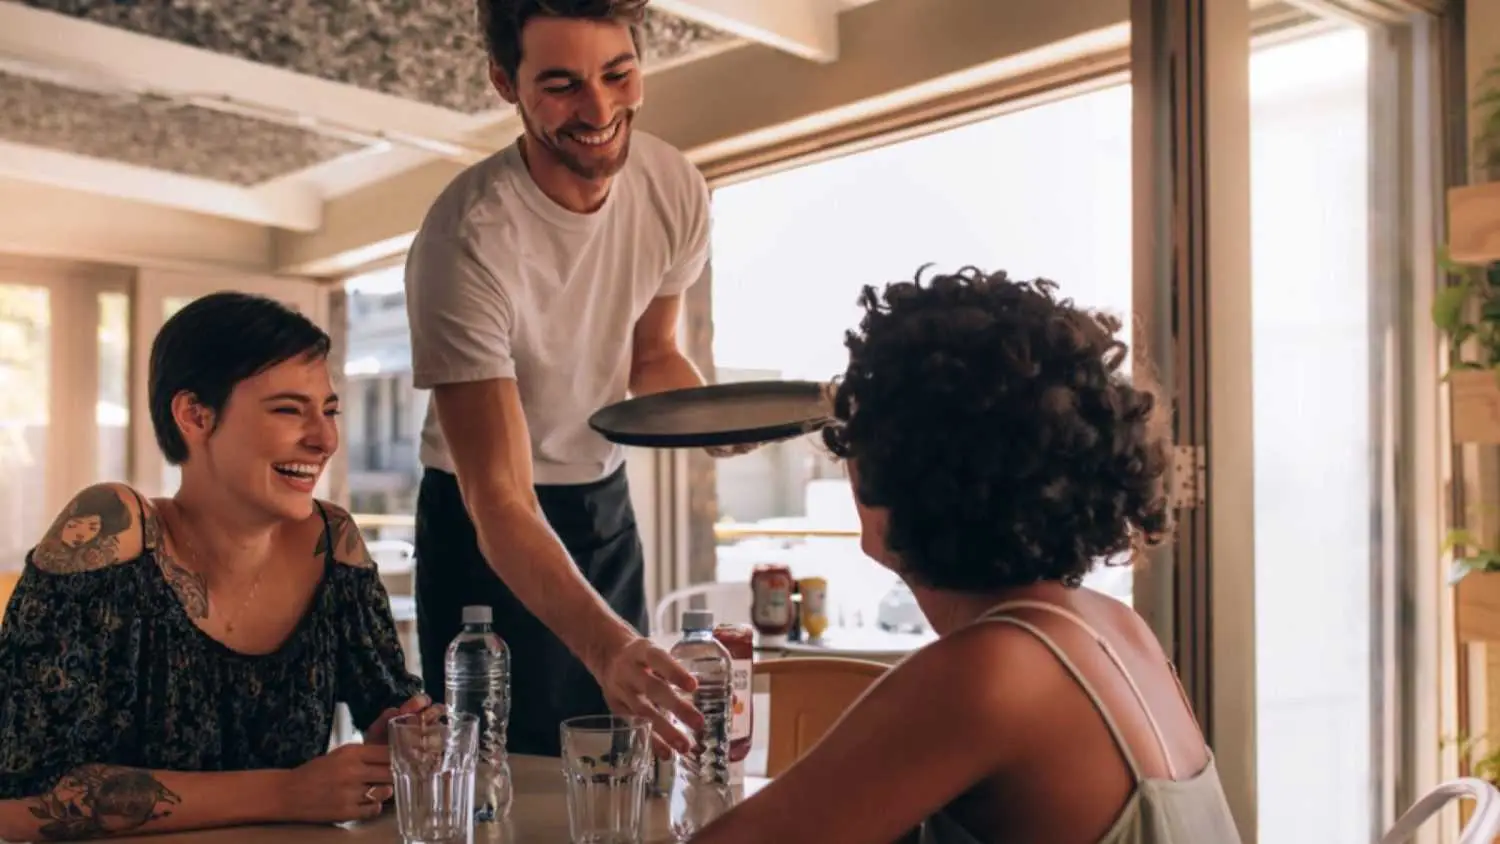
(538, 814)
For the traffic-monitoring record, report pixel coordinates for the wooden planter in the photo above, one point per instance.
(1475, 395)
(1476, 606)
(1474, 223)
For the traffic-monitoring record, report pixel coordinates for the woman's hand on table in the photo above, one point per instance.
(351, 782)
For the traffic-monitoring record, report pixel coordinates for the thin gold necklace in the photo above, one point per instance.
(197, 562)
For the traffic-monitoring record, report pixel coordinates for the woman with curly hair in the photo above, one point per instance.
(997, 452)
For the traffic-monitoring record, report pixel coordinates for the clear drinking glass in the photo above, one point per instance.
(433, 757)
(607, 763)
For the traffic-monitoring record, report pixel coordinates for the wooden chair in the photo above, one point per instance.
(808, 695)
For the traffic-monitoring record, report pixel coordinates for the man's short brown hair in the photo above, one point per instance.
(503, 20)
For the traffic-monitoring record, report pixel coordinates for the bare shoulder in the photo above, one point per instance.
(348, 544)
(994, 677)
(99, 527)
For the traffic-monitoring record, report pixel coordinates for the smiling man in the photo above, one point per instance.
(545, 283)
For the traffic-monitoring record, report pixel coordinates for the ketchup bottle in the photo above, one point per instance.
(739, 640)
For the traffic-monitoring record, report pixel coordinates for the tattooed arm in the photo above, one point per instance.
(100, 527)
(55, 705)
(372, 676)
(93, 801)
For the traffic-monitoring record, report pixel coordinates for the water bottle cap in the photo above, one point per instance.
(695, 620)
(478, 615)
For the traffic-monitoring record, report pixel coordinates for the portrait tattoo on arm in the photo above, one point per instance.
(94, 800)
(348, 546)
(86, 535)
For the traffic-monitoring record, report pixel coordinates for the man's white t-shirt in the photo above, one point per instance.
(502, 282)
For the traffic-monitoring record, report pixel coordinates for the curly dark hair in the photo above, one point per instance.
(994, 423)
(503, 20)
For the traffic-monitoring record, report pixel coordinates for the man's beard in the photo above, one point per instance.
(592, 169)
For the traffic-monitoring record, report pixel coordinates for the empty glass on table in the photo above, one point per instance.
(433, 757)
(606, 762)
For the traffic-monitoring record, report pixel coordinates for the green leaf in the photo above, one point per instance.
(1448, 307)
(1457, 537)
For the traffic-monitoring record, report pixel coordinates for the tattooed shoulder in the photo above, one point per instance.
(100, 527)
(348, 544)
(190, 586)
(95, 800)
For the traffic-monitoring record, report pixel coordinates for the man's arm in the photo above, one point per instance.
(657, 363)
(487, 435)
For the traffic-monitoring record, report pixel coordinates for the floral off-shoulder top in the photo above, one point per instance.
(105, 666)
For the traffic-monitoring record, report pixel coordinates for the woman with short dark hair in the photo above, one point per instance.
(175, 663)
(998, 451)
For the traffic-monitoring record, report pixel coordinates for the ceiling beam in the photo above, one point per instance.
(41, 221)
(285, 205)
(805, 28)
(99, 57)
(943, 45)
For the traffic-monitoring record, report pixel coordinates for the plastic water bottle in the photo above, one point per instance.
(700, 787)
(477, 672)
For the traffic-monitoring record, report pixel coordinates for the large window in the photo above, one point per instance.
(383, 412)
(1040, 192)
(26, 381)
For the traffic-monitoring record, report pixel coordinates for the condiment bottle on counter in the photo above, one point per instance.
(812, 613)
(771, 608)
(739, 640)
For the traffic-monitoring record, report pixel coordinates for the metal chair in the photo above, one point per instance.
(1483, 825)
(729, 601)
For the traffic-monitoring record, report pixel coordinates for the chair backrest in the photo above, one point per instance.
(8, 581)
(394, 559)
(808, 696)
(1484, 823)
(729, 601)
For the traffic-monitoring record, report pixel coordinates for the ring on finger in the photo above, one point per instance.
(370, 794)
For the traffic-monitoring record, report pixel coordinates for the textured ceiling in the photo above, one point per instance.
(179, 139)
(424, 50)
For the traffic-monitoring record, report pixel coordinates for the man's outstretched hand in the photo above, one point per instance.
(642, 679)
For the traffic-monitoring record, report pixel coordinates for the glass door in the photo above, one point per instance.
(1316, 484)
(1276, 256)
(159, 295)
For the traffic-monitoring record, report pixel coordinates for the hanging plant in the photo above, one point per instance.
(1470, 311)
(1487, 128)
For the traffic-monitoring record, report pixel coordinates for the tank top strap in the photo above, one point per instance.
(1000, 613)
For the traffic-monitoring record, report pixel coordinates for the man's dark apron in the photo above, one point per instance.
(548, 684)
